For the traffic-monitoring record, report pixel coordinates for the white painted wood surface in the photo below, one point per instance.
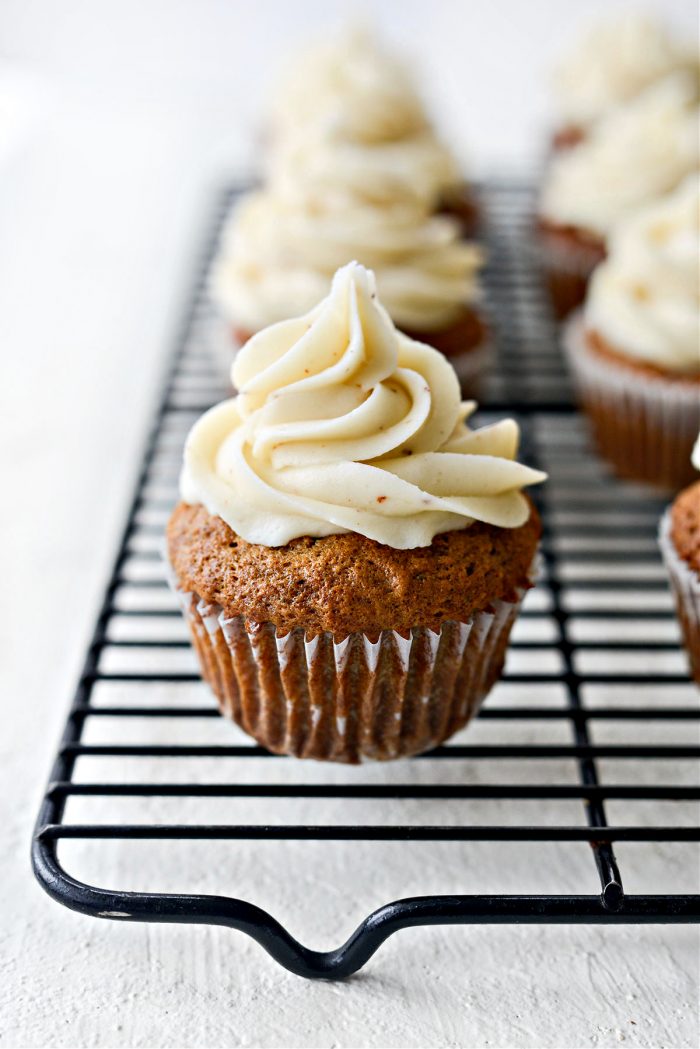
(104, 168)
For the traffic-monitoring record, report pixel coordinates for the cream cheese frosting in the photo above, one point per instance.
(277, 260)
(348, 85)
(645, 298)
(343, 424)
(348, 121)
(613, 62)
(636, 153)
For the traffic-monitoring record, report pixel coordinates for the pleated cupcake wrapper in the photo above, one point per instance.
(567, 268)
(645, 425)
(359, 698)
(685, 585)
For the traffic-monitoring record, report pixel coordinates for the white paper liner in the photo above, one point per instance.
(360, 698)
(645, 425)
(685, 585)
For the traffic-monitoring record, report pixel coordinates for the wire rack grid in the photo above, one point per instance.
(598, 633)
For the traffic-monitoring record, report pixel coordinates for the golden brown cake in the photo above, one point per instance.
(680, 545)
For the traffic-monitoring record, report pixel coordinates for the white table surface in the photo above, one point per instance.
(101, 203)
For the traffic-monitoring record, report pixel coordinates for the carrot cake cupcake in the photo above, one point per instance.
(633, 155)
(348, 122)
(350, 556)
(611, 63)
(679, 538)
(277, 260)
(635, 348)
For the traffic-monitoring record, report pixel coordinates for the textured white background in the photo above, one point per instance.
(115, 119)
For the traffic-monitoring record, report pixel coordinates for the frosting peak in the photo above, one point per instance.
(344, 424)
(645, 298)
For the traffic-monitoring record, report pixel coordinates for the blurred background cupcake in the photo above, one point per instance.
(611, 62)
(679, 539)
(629, 157)
(347, 121)
(635, 348)
(278, 257)
(349, 555)
(355, 171)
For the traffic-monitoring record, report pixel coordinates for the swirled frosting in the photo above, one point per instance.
(645, 298)
(612, 63)
(277, 261)
(348, 85)
(636, 153)
(349, 123)
(342, 424)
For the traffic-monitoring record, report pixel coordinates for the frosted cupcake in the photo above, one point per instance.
(349, 554)
(612, 63)
(277, 260)
(635, 349)
(637, 153)
(679, 538)
(347, 122)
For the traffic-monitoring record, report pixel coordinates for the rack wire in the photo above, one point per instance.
(599, 630)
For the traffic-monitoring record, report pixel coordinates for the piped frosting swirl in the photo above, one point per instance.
(636, 153)
(277, 260)
(613, 62)
(645, 298)
(348, 124)
(344, 424)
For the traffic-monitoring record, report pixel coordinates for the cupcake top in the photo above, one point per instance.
(277, 260)
(612, 63)
(645, 298)
(631, 156)
(348, 122)
(343, 424)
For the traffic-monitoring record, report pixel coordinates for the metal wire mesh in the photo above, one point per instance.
(595, 652)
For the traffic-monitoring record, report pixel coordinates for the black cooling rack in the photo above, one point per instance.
(599, 629)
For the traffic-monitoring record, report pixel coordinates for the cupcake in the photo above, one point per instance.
(635, 154)
(349, 555)
(347, 122)
(679, 538)
(277, 260)
(635, 348)
(611, 64)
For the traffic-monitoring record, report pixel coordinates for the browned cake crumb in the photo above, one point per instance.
(685, 525)
(602, 348)
(467, 333)
(347, 583)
